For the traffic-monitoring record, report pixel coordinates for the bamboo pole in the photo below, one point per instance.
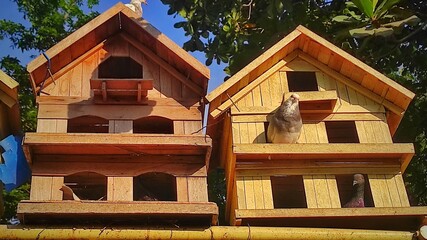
(218, 232)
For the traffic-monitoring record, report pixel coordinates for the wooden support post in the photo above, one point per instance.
(104, 91)
(139, 96)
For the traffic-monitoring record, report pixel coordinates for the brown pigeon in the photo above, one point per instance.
(357, 200)
(285, 125)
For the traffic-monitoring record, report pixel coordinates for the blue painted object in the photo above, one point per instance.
(15, 170)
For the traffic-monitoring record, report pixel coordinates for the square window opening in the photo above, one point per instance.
(342, 132)
(288, 192)
(302, 81)
(347, 191)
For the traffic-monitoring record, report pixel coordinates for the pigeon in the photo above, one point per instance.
(285, 125)
(135, 5)
(68, 193)
(357, 200)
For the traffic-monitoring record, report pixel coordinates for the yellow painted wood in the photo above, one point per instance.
(321, 132)
(197, 189)
(57, 183)
(299, 65)
(249, 193)
(310, 191)
(311, 135)
(275, 89)
(236, 132)
(120, 189)
(258, 192)
(46, 125)
(393, 192)
(41, 188)
(267, 192)
(252, 133)
(244, 133)
(402, 190)
(284, 81)
(333, 191)
(322, 191)
(266, 93)
(193, 127)
(260, 131)
(375, 184)
(181, 189)
(241, 195)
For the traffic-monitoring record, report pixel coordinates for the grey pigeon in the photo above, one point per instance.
(285, 125)
(357, 199)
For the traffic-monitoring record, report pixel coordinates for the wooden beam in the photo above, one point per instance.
(6, 99)
(131, 112)
(163, 64)
(402, 152)
(113, 210)
(68, 67)
(173, 47)
(67, 100)
(253, 65)
(240, 94)
(303, 169)
(263, 117)
(350, 83)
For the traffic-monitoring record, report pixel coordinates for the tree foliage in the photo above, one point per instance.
(390, 35)
(47, 22)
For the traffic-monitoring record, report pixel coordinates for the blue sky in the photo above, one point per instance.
(155, 12)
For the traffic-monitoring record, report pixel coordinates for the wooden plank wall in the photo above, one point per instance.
(254, 192)
(120, 189)
(321, 191)
(187, 127)
(192, 189)
(46, 188)
(76, 81)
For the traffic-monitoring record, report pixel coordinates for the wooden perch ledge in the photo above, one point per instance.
(369, 152)
(115, 144)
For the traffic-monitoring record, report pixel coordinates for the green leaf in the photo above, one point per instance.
(226, 28)
(366, 6)
(343, 19)
(361, 32)
(412, 21)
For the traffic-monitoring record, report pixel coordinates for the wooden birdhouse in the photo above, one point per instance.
(349, 112)
(118, 127)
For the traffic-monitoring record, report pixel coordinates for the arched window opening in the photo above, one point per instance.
(85, 186)
(153, 124)
(154, 186)
(87, 124)
(120, 67)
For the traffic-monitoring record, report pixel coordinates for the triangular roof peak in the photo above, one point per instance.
(322, 54)
(117, 19)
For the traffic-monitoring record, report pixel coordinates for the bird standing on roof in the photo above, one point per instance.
(136, 6)
(285, 125)
(357, 200)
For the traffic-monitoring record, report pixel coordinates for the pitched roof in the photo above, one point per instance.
(325, 56)
(117, 19)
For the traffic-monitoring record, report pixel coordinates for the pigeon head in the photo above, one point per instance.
(358, 179)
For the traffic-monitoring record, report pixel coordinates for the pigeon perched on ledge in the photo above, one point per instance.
(357, 199)
(285, 126)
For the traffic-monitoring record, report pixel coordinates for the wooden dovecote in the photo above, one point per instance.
(350, 113)
(119, 123)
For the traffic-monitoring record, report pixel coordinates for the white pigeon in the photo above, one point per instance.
(136, 6)
(68, 193)
(285, 125)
